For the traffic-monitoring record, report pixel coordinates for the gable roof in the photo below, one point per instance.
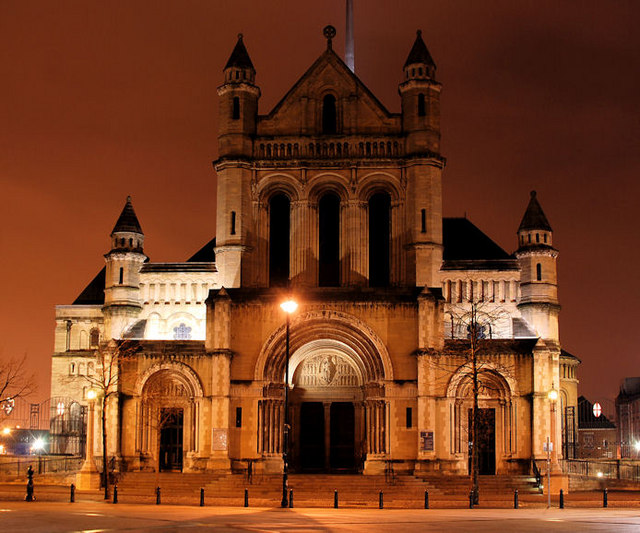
(586, 418)
(329, 57)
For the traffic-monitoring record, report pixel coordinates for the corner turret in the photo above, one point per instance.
(238, 104)
(122, 302)
(420, 93)
(538, 271)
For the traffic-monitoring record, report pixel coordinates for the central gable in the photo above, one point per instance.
(357, 110)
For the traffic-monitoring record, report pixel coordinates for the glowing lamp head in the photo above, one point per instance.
(38, 445)
(6, 431)
(553, 395)
(91, 394)
(289, 306)
(600, 474)
(636, 445)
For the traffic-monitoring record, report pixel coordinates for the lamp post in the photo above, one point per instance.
(88, 465)
(552, 396)
(289, 306)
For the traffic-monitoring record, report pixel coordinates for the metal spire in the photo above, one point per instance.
(349, 45)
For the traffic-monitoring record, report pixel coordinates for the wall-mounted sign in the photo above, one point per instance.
(219, 439)
(597, 409)
(426, 441)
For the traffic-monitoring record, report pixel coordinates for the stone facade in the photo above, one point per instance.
(335, 201)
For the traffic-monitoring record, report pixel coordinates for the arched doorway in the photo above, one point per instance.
(337, 404)
(167, 427)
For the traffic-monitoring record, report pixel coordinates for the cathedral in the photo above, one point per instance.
(334, 202)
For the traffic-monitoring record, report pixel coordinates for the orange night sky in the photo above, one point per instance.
(100, 100)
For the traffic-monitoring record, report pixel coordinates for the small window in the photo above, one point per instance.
(72, 369)
(94, 338)
(122, 242)
(537, 237)
(545, 238)
(529, 237)
(421, 106)
(423, 220)
(131, 243)
(233, 222)
(238, 417)
(538, 272)
(121, 277)
(329, 120)
(419, 71)
(235, 112)
(409, 415)
(90, 369)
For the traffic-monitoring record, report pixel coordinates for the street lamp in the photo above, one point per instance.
(552, 395)
(289, 306)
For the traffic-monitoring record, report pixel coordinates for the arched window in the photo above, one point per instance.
(279, 228)
(421, 107)
(538, 272)
(379, 239)
(329, 240)
(94, 338)
(233, 222)
(329, 122)
(121, 276)
(235, 112)
(423, 221)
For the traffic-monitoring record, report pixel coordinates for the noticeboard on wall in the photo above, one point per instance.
(426, 441)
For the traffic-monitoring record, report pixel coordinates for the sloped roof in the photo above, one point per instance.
(419, 53)
(239, 58)
(467, 247)
(127, 221)
(586, 418)
(534, 217)
(93, 293)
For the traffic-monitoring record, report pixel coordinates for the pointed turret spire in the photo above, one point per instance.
(420, 56)
(534, 217)
(239, 57)
(127, 221)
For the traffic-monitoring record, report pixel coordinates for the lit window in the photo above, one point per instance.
(182, 333)
(60, 409)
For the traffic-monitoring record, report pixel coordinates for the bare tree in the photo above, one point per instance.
(105, 384)
(16, 381)
(475, 326)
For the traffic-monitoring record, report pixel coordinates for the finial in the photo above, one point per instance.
(533, 194)
(239, 37)
(329, 32)
(419, 33)
(129, 199)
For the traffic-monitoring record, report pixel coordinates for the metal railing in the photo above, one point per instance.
(613, 469)
(18, 465)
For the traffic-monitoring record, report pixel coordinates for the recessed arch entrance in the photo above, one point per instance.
(337, 370)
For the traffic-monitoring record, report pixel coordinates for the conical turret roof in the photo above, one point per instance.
(419, 53)
(534, 217)
(127, 221)
(239, 57)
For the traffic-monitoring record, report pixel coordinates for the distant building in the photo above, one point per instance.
(330, 197)
(628, 413)
(597, 435)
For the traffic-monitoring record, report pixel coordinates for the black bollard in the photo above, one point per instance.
(335, 499)
(157, 495)
(515, 499)
(381, 501)
(561, 502)
(470, 499)
(72, 493)
(30, 497)
(201, 497)
(290, 498)
(605, 498)
(115, 494)
(246, 497)
(426, 499)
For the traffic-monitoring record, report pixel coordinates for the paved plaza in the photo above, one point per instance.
(95, 517)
